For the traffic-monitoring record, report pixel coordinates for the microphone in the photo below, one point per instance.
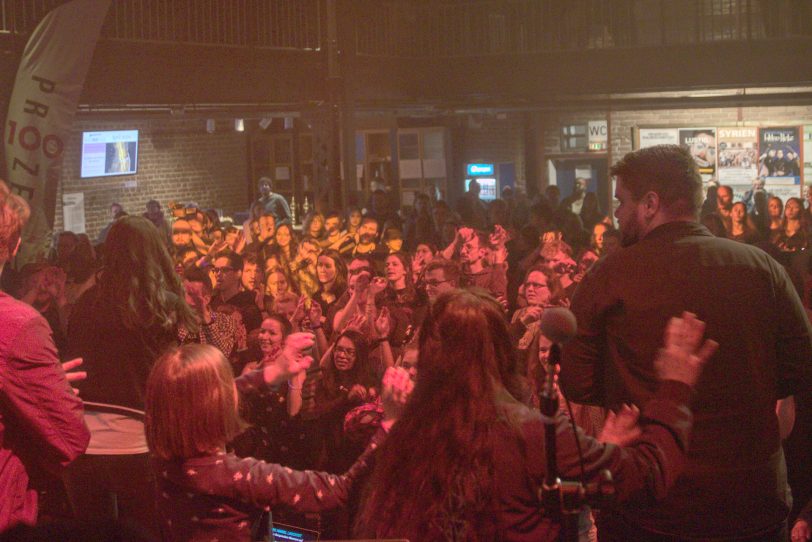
(558, 324)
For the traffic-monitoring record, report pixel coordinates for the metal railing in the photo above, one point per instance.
(491, 27)
(263, 24)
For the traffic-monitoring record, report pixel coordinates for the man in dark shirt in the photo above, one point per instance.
(273, 203)
(228, 268)
(734, 486)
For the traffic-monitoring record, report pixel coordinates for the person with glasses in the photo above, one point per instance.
(541, 289)
(440, 275)
(347, 380)
(227, 271)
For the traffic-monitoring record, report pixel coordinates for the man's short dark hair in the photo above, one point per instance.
(193, 273)
(234, 260)
(668, 170)
(451, 269)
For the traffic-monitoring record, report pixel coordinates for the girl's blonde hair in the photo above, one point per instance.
(191, 403)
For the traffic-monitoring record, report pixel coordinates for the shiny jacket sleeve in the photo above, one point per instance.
(268, 484)
(37, 399)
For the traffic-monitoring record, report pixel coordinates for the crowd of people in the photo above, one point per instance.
(174, 318)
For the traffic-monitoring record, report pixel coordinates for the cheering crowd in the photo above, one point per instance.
(318, 329)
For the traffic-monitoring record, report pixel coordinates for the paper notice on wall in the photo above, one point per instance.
(73, 212)
(410, 169)
(648, 137)
(407, 198)
(434, 168)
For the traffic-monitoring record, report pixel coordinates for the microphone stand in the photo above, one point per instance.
(563, 500)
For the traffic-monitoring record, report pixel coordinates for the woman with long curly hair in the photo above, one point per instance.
(119, 327)
(466, 459)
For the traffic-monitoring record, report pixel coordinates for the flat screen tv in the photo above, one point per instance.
(109, 153)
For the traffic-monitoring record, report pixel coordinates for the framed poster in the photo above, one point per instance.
(779, 160)
(737, 155)
(702, 144)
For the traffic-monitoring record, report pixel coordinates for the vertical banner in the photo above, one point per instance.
(702, 144)
(43, 102)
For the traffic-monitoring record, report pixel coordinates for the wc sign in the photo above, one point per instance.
(598, 133)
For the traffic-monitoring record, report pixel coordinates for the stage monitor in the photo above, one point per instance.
(109, 153)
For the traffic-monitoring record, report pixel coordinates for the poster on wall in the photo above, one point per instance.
(702, 144)
(738, 155)
(73, 212)
(779, 150)
(648, 137)
(807, 154)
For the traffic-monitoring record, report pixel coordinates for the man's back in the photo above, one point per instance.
(734, 481)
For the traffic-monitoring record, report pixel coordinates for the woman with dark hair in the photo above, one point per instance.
(119, 327)
(794, 233)
(347, 381)
(466, 459)
(742, 227)
(331, 272)
(406, 304)
(352, 219)
(284, 244)
(775, 212)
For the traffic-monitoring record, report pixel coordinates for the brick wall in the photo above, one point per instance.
(177, 161)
